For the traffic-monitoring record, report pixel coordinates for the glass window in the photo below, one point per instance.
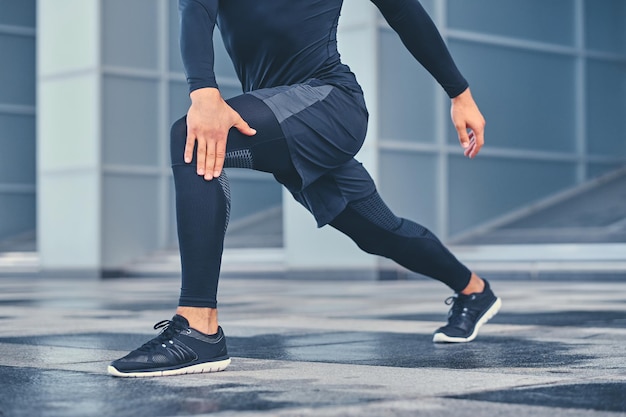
(605, 25)
(537, 20)
(485, 189)
(527, 98)
(407, 94)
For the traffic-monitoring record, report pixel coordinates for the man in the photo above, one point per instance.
(309, 120)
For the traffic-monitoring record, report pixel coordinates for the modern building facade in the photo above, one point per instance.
(89, 88)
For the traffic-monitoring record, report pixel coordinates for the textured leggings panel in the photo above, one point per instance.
(376, 230)
(224, 183)
(374, 209)
(240, 158)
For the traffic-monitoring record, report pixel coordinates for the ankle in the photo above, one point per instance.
(475, 285)
(201, 319)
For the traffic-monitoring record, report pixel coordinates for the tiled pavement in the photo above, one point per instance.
(317, 348)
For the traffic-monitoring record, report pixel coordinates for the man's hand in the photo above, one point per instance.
(465, 115)
(208, 121)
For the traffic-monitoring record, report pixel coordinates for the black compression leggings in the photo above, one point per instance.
(376, 230)
(203, 207)
(202, 211)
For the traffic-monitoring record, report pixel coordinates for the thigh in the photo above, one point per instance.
(267, 150)
(252, 110)
(259, 116)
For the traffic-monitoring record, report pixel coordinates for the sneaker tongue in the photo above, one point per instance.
(178, 319)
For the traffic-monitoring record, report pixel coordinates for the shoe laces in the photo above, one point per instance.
(169, 328)
(459, 310)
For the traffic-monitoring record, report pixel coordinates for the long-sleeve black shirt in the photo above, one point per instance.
(283, 42)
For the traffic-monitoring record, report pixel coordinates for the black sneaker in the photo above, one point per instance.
(467, 314)
(177, 350)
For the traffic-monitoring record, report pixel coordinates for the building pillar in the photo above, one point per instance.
(69, 135)
(103, 177)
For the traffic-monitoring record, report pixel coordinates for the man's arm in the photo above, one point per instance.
(422, 39)
(209, 117)
(197, 22)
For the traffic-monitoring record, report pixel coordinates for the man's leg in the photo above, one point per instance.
(375, 229)
(192, 341)
(202, 206)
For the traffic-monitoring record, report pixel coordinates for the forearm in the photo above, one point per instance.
(197, 22)
(422, 39)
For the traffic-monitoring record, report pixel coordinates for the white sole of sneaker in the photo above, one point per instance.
(194, 369)
(493, 310)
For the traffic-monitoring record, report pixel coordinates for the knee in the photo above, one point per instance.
(178, 138)
(373, 245)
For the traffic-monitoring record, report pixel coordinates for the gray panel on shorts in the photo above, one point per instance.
(287, 101)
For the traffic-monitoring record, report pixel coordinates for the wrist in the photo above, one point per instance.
(466, 95)
(204, 94)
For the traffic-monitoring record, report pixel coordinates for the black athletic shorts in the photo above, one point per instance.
(325, 127)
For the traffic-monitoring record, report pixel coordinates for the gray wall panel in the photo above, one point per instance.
(130, 109)
(129, 215)
(131, 33)
(17, 71)
(17, 149)
(18, 12)
(17, 213)
(606, 108)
